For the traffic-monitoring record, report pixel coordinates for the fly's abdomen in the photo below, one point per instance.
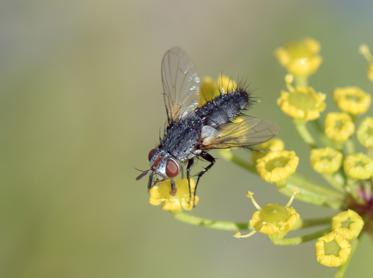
(224, 108)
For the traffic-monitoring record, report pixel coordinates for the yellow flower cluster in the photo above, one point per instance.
(160, 195)
(326, 160)
(352, 100)
(334, 248)
(339, 126)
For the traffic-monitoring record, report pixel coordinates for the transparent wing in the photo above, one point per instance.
(245, 131)
(180, 83)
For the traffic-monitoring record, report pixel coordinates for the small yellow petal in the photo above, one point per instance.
(276, 167)
(304, 103)
(326, 160)
(272, 145)
(358, 166)
(352, 100)
(348, 223)
(339, 126)
(332, 250)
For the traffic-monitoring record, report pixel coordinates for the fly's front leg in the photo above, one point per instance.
(188, 169)
(208, 157)
(173, 187)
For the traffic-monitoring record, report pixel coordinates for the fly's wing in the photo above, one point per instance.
(245, 131)
(180, 83)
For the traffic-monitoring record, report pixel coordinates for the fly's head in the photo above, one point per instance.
(162, 166)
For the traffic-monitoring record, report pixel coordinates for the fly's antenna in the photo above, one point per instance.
(143, 173)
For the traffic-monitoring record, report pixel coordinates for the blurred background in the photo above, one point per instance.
(81, 106)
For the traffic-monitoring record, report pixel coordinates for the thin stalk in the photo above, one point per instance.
(300, 239)
(305, 133)
(236, 226)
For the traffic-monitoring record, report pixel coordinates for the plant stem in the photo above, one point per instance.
(305, 133)
(299, 239)
(235, 226)
(342, 270)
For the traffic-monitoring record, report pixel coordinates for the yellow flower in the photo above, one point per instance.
(160, 195)
(326, 160)
(352, 100)
(358, 166)
(365, 133)
(300, 58)
(210, 89)
(276, 167)
(304, 103)
(273, 220)
(339, 126)
(272, 145)
(348, 223)
(332, 249)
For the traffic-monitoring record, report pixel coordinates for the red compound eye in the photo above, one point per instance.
(172, 168)
(151, 153)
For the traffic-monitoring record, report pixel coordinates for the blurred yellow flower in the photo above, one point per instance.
(300, 58)
(358, 166)
(304, 103)
(332, 250)
(210, 89)
(365, 132)
(364, 50)
(339, 126)
(276, 167)
(352, 100)
(273, 220)
(159, 195)
(272, 145)
(326, 160)
(348, 223)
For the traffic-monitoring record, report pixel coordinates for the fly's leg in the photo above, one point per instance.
(173, 187)
(208, 157)
(189, 167)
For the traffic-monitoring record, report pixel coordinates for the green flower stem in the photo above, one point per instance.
(236, 226)
(309, 191)
(211, 224)
(335, 181)
(350, 146)
(300, 239)
(305, 133)
(300, 81)
(317, 128)
(342, 270)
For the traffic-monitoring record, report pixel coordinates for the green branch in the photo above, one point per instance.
(299, 239)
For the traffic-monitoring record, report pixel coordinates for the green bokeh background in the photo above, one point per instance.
(80, 106)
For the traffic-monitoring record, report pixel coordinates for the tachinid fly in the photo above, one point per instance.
(193, 131)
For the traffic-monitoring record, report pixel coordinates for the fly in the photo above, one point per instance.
(193, 131)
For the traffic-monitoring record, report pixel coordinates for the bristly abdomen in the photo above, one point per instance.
(224, 108)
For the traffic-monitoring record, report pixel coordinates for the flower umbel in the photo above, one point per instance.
(159, 195)
(339, 126)
(304, 103)
(348, 223)
(332, 249)
(300, 58)
(273, 145)
(352, 100)
(326, 160)
(276, 167)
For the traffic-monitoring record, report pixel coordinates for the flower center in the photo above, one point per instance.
(302, 101)
(278, 162)
(332, 248)
(274, 214)
(353, 98)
